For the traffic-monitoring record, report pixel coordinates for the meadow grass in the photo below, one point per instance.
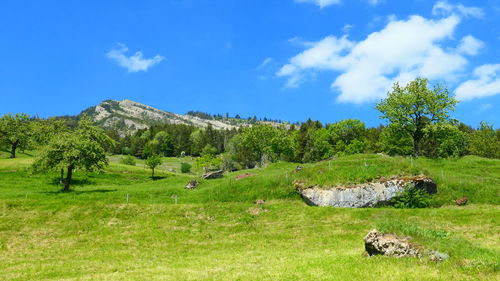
(216, 232)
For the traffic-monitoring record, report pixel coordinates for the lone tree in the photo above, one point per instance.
(15, 131)
(415, 106)
(152, 162)
(81, 148)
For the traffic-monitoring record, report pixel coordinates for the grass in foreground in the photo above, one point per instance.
(216, 232)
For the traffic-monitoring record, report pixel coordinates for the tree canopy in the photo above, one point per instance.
(152, 162)
(15, 131)
(414, 106)
(82, 148)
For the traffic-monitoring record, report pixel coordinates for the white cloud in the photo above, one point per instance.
(135, 62)
(264, 63)
(401, 51)
(374, 2)
(485, 106)
(321, 3)
(470, 45)
(444, 8)
(485, 84)
(347, 28)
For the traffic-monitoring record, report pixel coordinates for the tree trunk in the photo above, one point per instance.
(416, 144)
(13, 149)
(152, 173)
(69, 174)
(62, 176)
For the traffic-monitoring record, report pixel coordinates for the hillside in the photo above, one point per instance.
(121, 225)
(127, 115)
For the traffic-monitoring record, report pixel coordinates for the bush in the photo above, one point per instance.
(412, 197)
(229, 164)
(128, 160)
(185, 167)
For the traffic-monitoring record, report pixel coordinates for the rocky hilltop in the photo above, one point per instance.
(128, 116)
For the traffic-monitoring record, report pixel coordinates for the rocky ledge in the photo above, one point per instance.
(362, 195)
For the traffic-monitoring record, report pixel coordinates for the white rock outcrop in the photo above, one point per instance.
(362, 195)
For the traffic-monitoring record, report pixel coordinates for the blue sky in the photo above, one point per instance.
(284, 59)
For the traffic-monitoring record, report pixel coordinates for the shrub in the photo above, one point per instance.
(185, 167)
(128, 160)
(412, 197)
(229, 163)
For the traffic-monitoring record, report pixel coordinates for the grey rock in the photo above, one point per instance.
(377, 243)
(298, 169)
(362, 195)
(213, 175)
(437, 256)
(192, 184)
(260, 202)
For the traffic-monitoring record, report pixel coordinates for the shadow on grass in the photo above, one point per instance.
(72, 191)
(80, 182)
(158, 178)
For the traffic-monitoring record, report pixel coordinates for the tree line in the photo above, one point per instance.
(418, 124)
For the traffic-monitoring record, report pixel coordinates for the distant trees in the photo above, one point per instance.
(412, 107)
(348, 136)
(261, 143)
(15, 132)
(80, 148)
(485, 141)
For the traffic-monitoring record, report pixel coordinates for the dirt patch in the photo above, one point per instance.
(255, 211)
(239, 177)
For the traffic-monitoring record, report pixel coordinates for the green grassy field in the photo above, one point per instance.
(215, 232)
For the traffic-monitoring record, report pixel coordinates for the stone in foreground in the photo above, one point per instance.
(213, 175)
(461, 201)
(192, 184)
(362, 195)
(377, 243)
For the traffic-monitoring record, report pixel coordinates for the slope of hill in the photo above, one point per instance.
(127, 116)
(122, 225)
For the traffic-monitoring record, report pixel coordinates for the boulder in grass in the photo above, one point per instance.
(377, 243)
(298, 169)
(260, 202)
(436, 256)
(462, 201)
(192, 184)
(364, 195)
(213, 175)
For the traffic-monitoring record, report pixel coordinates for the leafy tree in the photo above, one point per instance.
(152, 162)
(319, 146)
(485, 141)
(444, 140)
(372, 137)
(45, 129)
(15, 131)
(209, 150)
(81, 148)
(395, 141)
(261, 143)
(304, 140)
(138, 142)
(208, 160)
(348, 136)
(151, 148)
(414, 106)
